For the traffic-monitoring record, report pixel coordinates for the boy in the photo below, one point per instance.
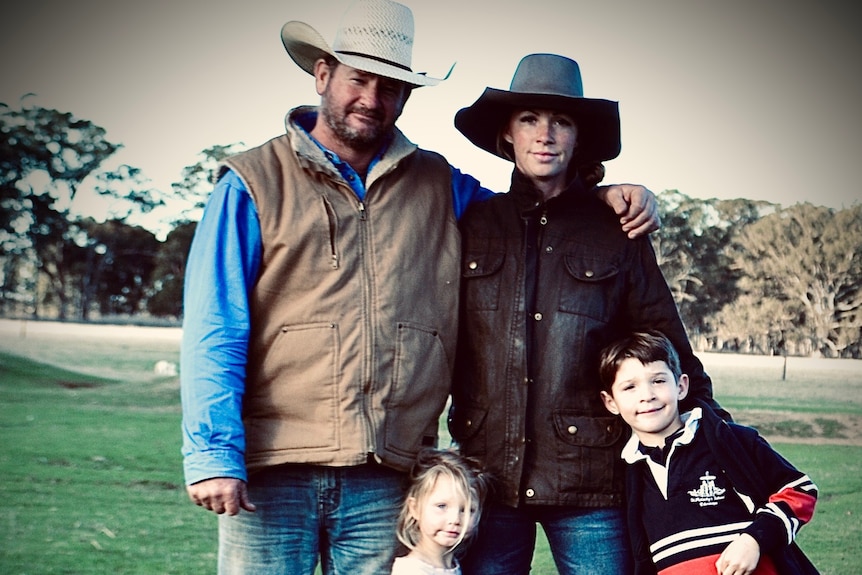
(704, 495)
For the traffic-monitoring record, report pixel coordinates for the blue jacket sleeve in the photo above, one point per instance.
(221, 269)
(465, 190)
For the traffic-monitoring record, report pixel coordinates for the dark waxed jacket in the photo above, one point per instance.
(526, 389)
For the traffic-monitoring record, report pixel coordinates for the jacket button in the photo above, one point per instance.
(537, 316)
(543, 220)
(473, 265)
(549, 249)
(572, 430)
(468, 423)
(530, 493)
(589, 273)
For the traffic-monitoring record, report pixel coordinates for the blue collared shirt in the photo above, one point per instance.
(221, 271)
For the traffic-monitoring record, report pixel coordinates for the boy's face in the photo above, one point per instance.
(647, 398)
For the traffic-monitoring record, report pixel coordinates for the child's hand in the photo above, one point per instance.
(740, 557)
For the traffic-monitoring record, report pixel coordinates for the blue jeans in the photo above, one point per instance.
(346, 516)
(583, 541)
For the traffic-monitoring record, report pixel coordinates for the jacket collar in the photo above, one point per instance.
(632, 453)
(690, 421)
(313, 155)
(528, 198)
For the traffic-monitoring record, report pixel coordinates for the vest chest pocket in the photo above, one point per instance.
(588, 287)
(482, 275)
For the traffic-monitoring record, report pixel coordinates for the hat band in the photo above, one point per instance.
(375, 58)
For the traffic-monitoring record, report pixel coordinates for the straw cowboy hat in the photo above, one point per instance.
(375, 36)
(545, 81)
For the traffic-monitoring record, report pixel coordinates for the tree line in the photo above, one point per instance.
(748, 276)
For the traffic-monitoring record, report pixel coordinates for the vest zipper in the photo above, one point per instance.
(368, 371)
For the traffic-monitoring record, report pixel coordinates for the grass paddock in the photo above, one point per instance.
(92, 474)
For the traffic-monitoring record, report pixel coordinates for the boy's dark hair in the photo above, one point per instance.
(646, 347)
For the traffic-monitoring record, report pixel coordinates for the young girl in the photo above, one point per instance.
(440, 511)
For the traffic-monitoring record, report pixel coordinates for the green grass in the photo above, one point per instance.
(833, 539)
(92, 474)
(92, 481)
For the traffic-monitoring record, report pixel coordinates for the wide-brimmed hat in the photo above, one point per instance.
(375, 36)
(545, 81)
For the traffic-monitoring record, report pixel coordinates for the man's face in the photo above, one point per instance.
(359, 108)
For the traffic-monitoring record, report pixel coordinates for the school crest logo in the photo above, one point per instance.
(708, 493)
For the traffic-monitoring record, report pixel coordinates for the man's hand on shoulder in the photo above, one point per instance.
(635, 205)
(221, 495)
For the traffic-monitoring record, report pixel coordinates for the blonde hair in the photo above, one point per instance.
(467, 478)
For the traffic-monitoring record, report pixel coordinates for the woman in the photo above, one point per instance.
(548, 280)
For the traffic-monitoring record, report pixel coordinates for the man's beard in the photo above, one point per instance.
(371, 136)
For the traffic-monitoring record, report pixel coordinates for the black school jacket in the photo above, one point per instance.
(752, 467)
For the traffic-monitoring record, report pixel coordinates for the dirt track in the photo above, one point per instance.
(808, 428)
(14, 329)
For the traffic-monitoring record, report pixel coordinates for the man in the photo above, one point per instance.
(321, 310)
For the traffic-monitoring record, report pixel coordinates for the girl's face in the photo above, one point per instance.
(544, 143)
(441, 516)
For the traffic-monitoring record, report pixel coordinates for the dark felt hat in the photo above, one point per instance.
(545, 81)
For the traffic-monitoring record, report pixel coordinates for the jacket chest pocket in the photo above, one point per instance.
(588, 287)
(482, 276)
(588, 451)
(577, 430)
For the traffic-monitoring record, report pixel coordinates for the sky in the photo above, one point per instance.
(720, 99)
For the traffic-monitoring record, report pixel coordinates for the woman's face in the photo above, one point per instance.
(544, 142)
